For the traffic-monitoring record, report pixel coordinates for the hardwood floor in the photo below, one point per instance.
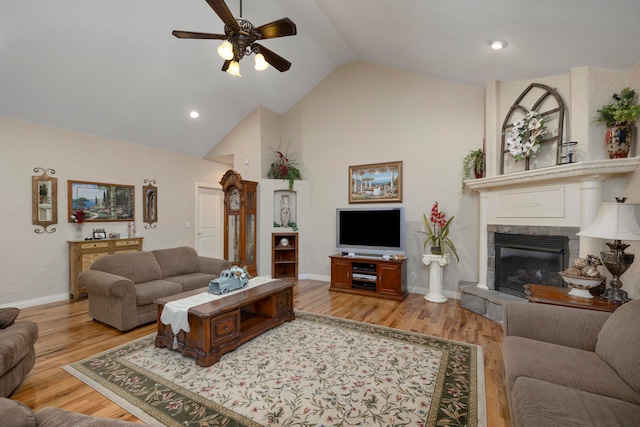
(67, 334)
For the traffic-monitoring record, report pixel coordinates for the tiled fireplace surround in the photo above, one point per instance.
(558, 200)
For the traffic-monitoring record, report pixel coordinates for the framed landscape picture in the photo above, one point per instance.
(375, 183)
(101, 202)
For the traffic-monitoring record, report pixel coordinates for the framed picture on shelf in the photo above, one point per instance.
(101, 202)
(99, 234)
(375, 183)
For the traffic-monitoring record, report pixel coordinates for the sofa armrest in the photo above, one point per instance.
(107, 284)
(570, 327)
(213, 265)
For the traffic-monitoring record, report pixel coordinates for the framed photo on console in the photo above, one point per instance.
(101, 202)
(375, 183)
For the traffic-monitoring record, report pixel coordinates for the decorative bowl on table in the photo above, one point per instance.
(580, 285)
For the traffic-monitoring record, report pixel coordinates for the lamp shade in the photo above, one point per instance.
(225, 50)
(615, 221)
(261, 63)
(234, 68)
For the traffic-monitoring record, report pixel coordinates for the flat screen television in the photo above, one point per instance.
(370, 231)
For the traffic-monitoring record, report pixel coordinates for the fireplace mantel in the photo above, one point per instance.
(602, 168)
(557, 196)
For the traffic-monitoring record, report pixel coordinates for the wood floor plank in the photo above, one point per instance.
(67, 334)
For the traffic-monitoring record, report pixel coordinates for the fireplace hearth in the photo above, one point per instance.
(522, 259)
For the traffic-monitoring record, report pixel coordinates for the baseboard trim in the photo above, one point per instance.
(37, 301)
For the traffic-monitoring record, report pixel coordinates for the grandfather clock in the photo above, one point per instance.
(240, 209)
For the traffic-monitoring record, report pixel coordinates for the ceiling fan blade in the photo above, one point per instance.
(280, 28)
(226, 64)
(277, 61)
(194, 35)
(221, 9)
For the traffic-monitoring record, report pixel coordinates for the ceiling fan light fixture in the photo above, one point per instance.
(225, 50)
(234, 69)
(261, 64)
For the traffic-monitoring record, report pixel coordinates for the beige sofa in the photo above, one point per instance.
(17, 351)
(572, 367)
(122, 288)
(16, 414)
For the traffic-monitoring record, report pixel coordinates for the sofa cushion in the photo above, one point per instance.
(193, 280)
(539, 403)
(8, 316)
(580, 369)
(136, 266)
(16, 414)
(619, 343)
(177, 261)
(148, 292)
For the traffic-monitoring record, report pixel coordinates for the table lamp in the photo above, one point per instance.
(616, 221)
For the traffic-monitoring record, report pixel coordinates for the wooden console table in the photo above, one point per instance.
(82, 253)
(542, 294)
(222, 325)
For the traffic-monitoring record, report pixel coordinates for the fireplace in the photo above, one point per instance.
(522, 259)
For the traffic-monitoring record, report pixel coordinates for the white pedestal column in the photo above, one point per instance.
(436, 263)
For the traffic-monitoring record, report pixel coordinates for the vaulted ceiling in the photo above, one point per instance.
(113, 69)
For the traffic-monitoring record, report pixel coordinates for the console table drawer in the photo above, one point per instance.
(225, 326)
(94, 245)
(283, 303)
(128, 243)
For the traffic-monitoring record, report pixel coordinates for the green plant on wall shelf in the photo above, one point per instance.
(283, 167)
(623, 111)
(472, 165)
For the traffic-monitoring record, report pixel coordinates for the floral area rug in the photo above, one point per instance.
(314, 371)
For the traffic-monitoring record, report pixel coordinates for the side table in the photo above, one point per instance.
(542, 294)
(436, 264)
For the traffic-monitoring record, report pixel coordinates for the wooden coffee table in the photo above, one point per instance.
(222, 325)
(553, 295)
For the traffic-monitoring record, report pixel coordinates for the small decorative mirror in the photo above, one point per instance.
(150, 203)
(44, 200)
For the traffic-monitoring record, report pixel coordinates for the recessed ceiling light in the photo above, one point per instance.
(194, 114)
(498, 44)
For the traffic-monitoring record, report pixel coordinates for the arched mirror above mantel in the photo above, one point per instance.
(44, 200)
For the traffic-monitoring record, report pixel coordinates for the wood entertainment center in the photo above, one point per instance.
(370, 276)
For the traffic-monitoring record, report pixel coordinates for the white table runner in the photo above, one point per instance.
(175, 313)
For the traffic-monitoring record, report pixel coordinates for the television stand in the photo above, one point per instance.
(370, 276)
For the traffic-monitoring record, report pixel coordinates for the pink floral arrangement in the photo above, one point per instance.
(438, 233)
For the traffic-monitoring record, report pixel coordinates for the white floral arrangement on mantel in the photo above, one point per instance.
(525, 136)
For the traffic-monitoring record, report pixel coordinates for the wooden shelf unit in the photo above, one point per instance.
(82, 253)
(369, 276)
(284, 258)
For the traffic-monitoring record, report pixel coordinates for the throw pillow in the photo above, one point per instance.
(8, 316)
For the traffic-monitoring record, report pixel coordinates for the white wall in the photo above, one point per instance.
(362, 113)
(35, 267)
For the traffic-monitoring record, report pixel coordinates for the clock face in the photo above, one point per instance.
(284, 242)
(234, 199)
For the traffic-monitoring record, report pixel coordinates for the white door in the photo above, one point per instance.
(209, 233)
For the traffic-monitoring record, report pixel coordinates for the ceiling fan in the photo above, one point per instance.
(240, 38)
